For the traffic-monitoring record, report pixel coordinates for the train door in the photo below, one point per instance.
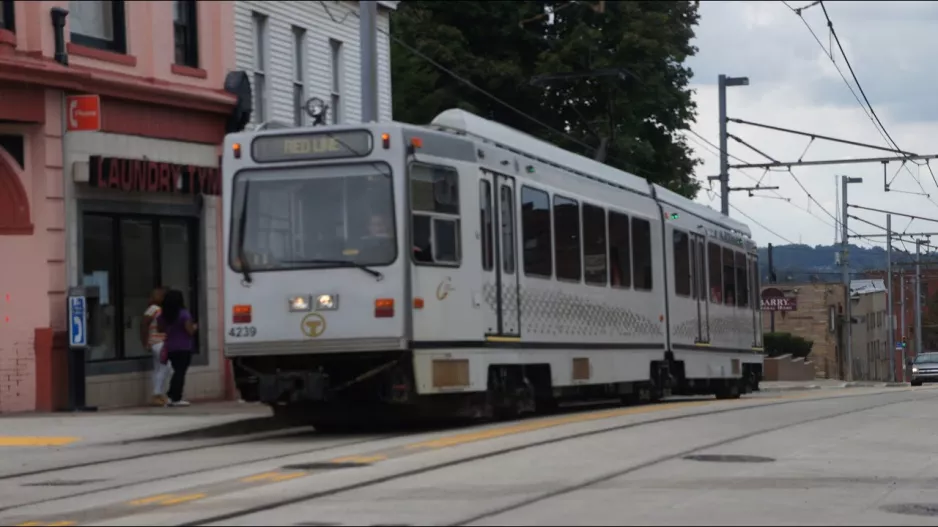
(699, 278)
(501, 267)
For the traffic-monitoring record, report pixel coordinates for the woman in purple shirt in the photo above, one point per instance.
(176, 323)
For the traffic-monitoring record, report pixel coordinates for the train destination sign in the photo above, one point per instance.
(311, 146)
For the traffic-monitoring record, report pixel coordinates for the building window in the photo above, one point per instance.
(335, 101)
(186, 32)
(299, 74)
(567, 238)
(126, 256)
(535, 230)
(594, 245)
(98, 24)
(7, 18)
(260, 78)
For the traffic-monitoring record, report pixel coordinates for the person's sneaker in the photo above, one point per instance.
(160, 400)
(181, 403)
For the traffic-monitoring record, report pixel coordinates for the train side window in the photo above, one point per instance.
(729, 278)
(694, 277)
(535, 230)
(701, 281)
(641, 253)
(755, 295)
(681, 243)
(594, 244)
(742, 280)
(716, 273)
(485, 224)
(620, 259)
(567, 238)
(434, 198)
(508, 230)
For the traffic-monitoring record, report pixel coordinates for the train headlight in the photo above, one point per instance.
(327, 302)
(299, 303)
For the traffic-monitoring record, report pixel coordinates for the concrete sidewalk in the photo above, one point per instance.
(824, 384)
(130, 424)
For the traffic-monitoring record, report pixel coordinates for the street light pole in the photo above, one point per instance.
(722, 83)
(845, 274)
(918, 296)
(889, 329)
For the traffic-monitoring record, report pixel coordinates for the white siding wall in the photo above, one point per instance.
(322, 21)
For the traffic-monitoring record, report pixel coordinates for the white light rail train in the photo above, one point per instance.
(466, 269)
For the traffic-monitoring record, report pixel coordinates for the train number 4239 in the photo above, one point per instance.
(242, 331)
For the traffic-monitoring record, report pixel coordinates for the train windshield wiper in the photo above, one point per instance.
(340, 263)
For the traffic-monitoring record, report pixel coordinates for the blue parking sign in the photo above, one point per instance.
(77, 322)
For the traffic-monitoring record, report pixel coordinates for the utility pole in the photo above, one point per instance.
(902, 316)
(845, 275)
(889, 330)
(918, 296)
(771, 281)
(368, 29)
(722, 83)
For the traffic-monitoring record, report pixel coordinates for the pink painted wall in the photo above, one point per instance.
(33, 277)
(149, 39)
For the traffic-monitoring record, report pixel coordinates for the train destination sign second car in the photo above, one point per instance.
(311, 146)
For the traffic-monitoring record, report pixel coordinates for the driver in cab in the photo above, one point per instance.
(377, 244)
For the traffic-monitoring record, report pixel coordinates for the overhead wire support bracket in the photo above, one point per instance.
(789, 164)
(912, 216)
(819, 136)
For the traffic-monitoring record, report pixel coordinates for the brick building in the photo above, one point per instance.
(817, 317)
(76, 203)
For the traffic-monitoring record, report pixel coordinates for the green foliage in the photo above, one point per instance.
(501, 46)
(778, 344)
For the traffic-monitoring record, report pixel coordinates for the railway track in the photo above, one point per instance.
(186, 501)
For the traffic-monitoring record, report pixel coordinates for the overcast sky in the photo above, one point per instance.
(793, 84)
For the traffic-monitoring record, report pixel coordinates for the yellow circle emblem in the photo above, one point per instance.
(313, 325)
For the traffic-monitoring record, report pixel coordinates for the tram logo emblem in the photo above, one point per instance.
(443, 290)
(313, 325)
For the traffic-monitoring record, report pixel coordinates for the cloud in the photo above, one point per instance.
(794, 85)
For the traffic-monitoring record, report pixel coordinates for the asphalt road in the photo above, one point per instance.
(863, 456)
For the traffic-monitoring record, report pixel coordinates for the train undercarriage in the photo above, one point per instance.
(342, 392)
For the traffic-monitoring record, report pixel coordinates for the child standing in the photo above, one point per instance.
(152, 339)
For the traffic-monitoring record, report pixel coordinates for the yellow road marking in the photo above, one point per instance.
(549, 423)
(361, 459)
(36, 441)
(273, 476)
(168, 499)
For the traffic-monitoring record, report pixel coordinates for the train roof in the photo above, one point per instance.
(511, 139)
(676, 200)
(507, 137)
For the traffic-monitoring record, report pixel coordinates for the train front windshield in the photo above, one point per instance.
(313, 217)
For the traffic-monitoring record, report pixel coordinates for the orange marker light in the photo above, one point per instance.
(384, 308)
(241, 314)
(416, 142)
(385, 141)
(418, 303)
(236, 150)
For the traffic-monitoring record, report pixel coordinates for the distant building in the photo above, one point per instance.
(815, 311)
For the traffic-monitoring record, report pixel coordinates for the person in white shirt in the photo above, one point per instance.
(152, 340)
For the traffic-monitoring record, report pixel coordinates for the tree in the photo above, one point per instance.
(501, 46)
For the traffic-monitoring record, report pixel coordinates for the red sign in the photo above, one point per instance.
(773, 299)
(136, 175)
(84, 113)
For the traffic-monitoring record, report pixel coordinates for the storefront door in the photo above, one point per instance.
(127, 256)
